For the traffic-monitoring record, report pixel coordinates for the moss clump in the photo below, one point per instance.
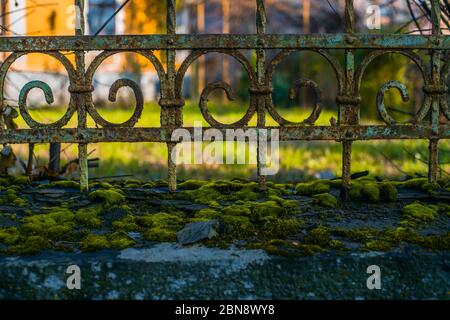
(355, 191)
(94, 242)
(363, 234)
(377, 245)
(9, 235)
(207, 213)
(19, 180)
(371, 192)
(29, 246)
(416, 183)
(275, 228)
(321, 236)
(160, 235)
(11, 198)
(64, 184)
(120, 240)
(312, 188)
(389, 191)
(161, 220)
(238, 209)
(203, 195)
(108, 197)
(417, 212)
(238, 227)
(127, 223)
(89, 217)
(325, 200)
(283, 248)
(160, 227)
(430, 187)
(192, 184)
(101, 185)
(58, 224)
(291, 206)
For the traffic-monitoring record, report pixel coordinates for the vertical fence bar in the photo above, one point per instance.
(261, 99)
(171, 111)
(433, 149)
(80, 96)
(348, 112)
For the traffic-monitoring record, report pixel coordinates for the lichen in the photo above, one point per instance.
(325, 200)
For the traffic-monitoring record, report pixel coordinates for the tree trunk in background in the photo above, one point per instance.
(201, 60)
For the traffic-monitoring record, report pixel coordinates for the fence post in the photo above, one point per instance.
(349, 103)
(79, 96)
(436, 93)
(171, 102)
(261, 99)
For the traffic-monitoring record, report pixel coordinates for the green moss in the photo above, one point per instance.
(93, 242)
(430, 187)
(363, 234)
(161, 220)
(208, 213)
(127, 223)
(58, 224)
(321, 236)
(419, 213)
(101, 185)
(11, 198)
(238, 209)
(389, 191)
(275, 228)
(355, 191)
(416, 183)
(29, 246)
(192, 184)
(371, 192)
(89, 217)
(160, 235)
(377, 245)
(291, 206)
(325, 200)
(120, 240)
(312, 188)
(9, 235)
(238, 227)
(64, 184)
(108, 197)
(19, 180)
(203, 195)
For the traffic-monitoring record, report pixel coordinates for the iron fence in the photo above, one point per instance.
(426, 124)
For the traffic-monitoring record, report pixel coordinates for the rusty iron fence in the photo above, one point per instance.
(431, 122)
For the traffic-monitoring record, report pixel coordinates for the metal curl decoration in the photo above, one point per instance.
(48, 98)
(425, 108)
(219, 85)
(40, 85)
(120, 83)
(381, 108)
(203, 104)
(90, 107)
(303, 82)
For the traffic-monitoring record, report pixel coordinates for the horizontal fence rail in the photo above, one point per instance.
(430, 122)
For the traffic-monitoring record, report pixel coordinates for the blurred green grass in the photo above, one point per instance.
(298, 160)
